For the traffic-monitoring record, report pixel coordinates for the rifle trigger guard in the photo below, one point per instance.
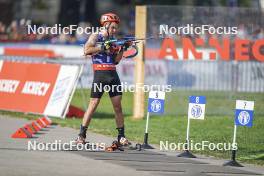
(134, 54)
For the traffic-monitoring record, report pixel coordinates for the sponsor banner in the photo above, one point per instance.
(66, 80)
(153, 51)
(28, 87)
(191, 75)
(42, 50)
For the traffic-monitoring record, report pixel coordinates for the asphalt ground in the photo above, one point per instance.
(16, 159)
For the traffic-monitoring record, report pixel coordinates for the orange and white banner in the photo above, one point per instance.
(37, 87)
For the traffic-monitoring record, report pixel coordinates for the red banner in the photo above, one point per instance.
(26, 87)
(35, 87)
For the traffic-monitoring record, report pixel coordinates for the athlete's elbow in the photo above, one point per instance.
(88, 51)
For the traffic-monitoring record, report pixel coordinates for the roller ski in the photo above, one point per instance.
(121, 145)
(80, 140)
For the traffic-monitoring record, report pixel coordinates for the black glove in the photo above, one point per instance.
(106, 45)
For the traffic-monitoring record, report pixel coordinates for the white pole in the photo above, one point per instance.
(188, 129)
(146, 131)
(234, 137)
(187, 133)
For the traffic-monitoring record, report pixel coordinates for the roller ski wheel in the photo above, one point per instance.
(80, 140)
(115, 146)
(125, 144)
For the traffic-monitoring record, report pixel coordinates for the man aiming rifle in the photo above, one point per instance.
(105, 56)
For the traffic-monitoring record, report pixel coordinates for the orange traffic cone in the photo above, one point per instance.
(46, 121)
(21, 133)
(36, 126)
(29, 129)
(41, 123)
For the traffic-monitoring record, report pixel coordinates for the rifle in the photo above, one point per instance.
(127, 43)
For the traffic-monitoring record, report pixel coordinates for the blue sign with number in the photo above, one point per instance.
(196, 107)
(244, 113)
(156, 102)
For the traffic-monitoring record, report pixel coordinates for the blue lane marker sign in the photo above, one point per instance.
(156, 102)
(196, 107)
(244, 113)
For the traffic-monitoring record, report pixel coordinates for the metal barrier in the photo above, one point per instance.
(181, 75)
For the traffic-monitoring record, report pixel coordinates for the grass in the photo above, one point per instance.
(171, 127)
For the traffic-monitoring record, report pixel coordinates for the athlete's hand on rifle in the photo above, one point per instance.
(110, 47)
(106, 45)
(126, 45)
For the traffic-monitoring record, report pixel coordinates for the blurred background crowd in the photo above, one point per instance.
(86, 13)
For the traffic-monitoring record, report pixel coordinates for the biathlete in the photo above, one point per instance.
(105, 57)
